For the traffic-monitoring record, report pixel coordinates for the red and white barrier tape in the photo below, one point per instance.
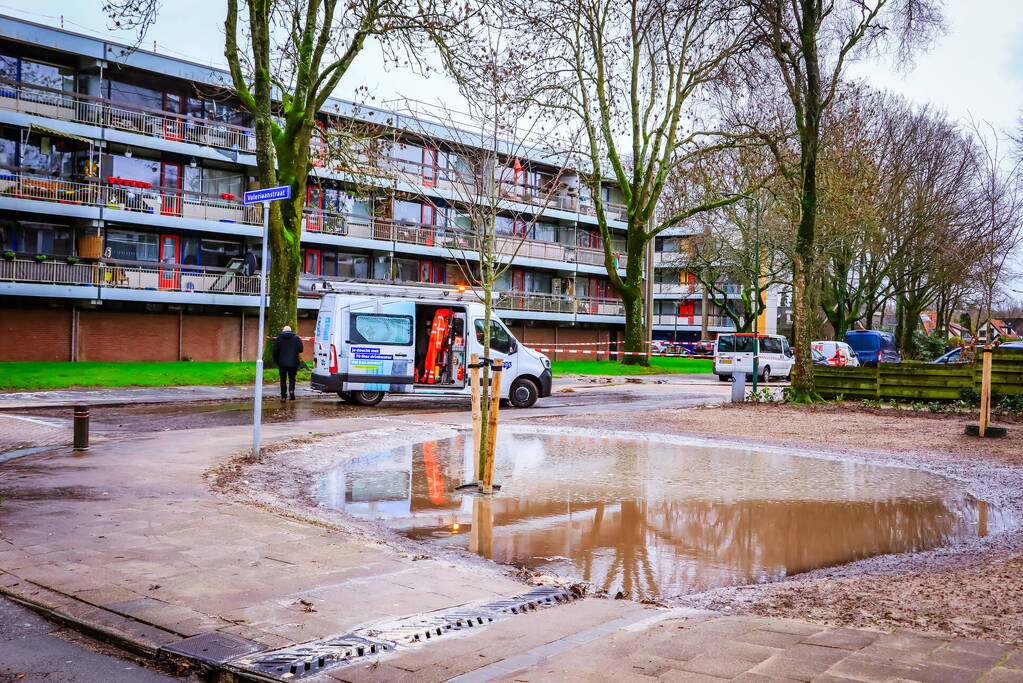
(597, 352)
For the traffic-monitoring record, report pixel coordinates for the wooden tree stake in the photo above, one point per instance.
(477, 412)
(985, 391)
(495, 405)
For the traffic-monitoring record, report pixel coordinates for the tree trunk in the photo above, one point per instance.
(634, 328)
(704, 312)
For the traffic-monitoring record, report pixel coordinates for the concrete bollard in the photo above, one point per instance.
(81, 422)
(738, 387)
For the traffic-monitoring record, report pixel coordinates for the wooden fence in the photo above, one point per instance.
(921, 381)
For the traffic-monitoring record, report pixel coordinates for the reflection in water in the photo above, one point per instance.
(653, 518)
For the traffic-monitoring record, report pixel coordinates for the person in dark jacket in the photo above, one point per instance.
(285, 351)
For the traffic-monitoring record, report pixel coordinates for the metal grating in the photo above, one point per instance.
(337, 651)
(212, 648)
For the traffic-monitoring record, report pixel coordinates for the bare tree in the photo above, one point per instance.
(628, 74)
(488, 162)
(999, 197)
(286, 57)
(804, 47)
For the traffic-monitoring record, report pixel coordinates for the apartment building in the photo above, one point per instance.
(123, 235)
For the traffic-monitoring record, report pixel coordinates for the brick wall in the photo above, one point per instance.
(45, 335)
(211, 337)
(35, 334)
(553, 336)
(115, 336)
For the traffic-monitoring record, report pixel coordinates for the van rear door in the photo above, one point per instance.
(378, 353)
(324, 337)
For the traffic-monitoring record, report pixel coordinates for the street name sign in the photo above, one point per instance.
(268, 194)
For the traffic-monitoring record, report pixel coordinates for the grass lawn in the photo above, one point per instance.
(36, 376)
(658, 366)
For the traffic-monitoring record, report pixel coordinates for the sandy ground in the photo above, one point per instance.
(973, 589)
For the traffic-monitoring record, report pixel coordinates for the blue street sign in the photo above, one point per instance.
(268, 194)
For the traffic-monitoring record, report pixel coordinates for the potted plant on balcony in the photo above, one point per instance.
(9, 255)
(39, 258)
(72, 260)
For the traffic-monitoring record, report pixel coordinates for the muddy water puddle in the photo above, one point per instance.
(653, 518)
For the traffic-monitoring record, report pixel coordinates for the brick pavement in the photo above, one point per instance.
(690, 645)
(18, 432)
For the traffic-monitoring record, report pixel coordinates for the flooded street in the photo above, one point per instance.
(657, 518)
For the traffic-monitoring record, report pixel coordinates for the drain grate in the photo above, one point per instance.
(312, 658)
(212, 648)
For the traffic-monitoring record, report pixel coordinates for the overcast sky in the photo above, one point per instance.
(975, 70)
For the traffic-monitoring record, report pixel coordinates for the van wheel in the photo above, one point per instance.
(345, 396)
(523, 393)
(766, 377)
(366, 398)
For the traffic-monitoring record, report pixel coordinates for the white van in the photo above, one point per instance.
(837, 353)
(375, 339)
(734, 352)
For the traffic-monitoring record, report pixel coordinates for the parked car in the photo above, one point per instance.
(734, 352)
(954, 357)
(704, 347)
(873, 346)
(1012, 345)
(837, 353)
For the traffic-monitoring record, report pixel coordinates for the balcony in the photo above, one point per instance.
(206, 280)
(423, 234)
(129, 196)
(164, 278)
(692, 321)
(694, 288)
(96, 111)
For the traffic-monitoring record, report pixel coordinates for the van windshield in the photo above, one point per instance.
(863, 342)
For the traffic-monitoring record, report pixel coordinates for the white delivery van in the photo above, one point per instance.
(837, 353)
(734, 352)
(374, 339)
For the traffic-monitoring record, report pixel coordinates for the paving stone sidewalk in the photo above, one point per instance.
(131, 528)
(688, 645)
(18, 432)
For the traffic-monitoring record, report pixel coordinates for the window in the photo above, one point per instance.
(406, 270)
(728, 343)
(770, 345)
(409, 212)
(48, 76)
(8, 70)
(374, 328)
(218, 181)
(219, 252)
(47, 154)
(8, 152)
(133, 246)
(43, 238)
(500, 339)
(136, 95)
(545, 232)
(132, 169)
(349, 265)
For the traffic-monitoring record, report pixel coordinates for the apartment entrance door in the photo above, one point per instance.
(169, 274)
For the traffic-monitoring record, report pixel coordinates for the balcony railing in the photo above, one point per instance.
(448, 237)
(69, 106)
(164, 277)
(692, 320)
(694, 288)
(152, 200)
(183, 278)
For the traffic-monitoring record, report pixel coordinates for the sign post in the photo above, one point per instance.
(264, 197)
